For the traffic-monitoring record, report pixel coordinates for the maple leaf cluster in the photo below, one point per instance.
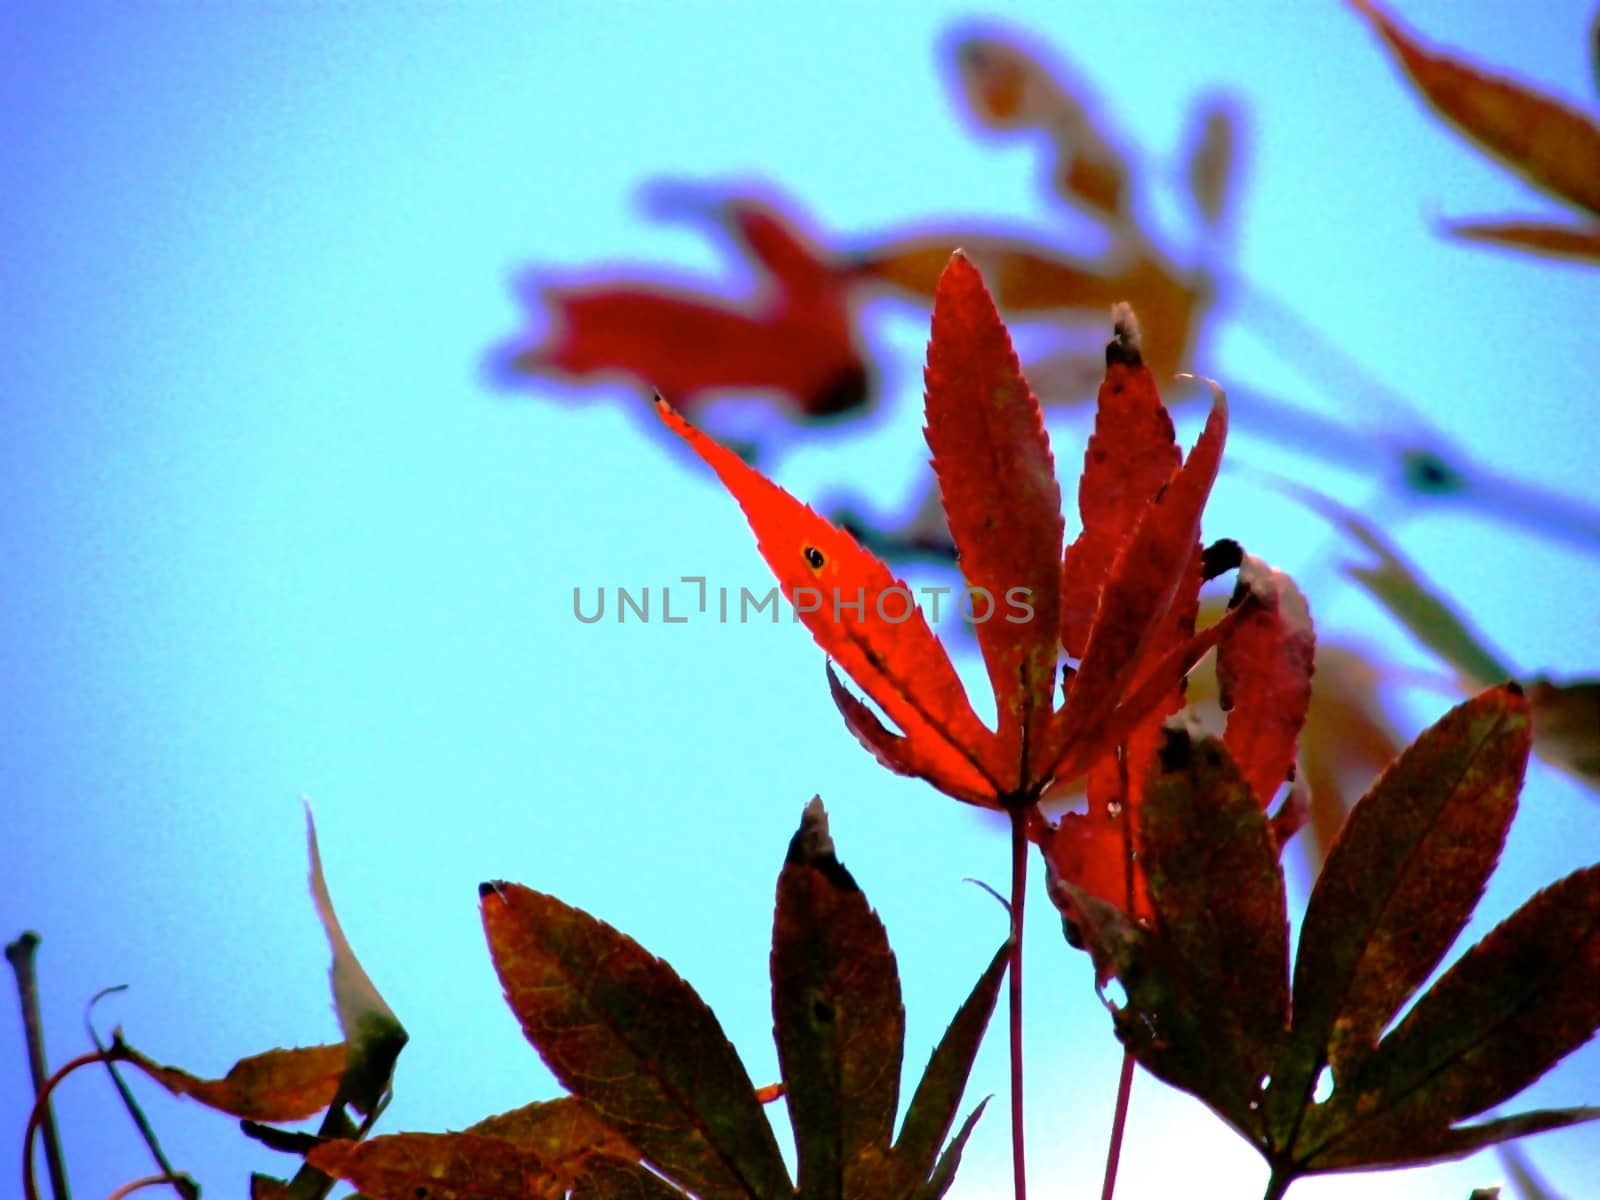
(1170, 875)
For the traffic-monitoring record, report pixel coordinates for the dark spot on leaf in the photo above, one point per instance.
(846, 391)
(1221, 556)
(1124, 350)
(493, 886)
(1176, 749)
(1513, 687)
(832, 869)
(822, 1011)
(814, 558)
(1074, 935)
(1426, 472)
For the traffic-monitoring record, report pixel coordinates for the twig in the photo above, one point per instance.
(128, 1189)
(181, 1183)
(20, 954)
(1119, 1124)
(1019, 880)
(41, 1105)
(1119, 1112)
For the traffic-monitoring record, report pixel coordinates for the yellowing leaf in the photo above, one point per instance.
(1553, 147)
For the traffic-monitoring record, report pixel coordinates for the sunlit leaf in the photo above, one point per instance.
(1131, 455)
(880, 636)
(992, 459)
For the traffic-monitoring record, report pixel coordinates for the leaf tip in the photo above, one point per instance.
(493, 887)
(1126, 341)
(1219, 398)
(812, 846)
(1178, 735)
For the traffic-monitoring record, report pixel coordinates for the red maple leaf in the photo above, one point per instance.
(1115, 603)
(794, 337)
(1120, 602)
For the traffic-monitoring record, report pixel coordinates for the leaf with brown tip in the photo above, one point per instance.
(837, 1016)
(1131, 455)
(992, 458)
(1217, 890)
(1553, 147)
(1141, 589)
(278, 1085)
(620, 1029)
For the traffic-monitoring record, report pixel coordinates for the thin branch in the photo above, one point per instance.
(128, 1189)
(1119, 1125)
(20, 954)
(30, 1187)
(1119, 1112)
(182, 1184)
(1019, 881)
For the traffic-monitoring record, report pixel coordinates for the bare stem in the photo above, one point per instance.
(1019, 881)
(148, 1181)
(20, 954)
(1277, 1185)
(186, 1188)
(1119, 1114)
(1119, 1123)
(41, 1105)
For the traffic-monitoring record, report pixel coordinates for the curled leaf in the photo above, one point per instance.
(278, 1085)
(373, 1035)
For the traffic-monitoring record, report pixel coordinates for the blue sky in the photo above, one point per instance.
(267, 530)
